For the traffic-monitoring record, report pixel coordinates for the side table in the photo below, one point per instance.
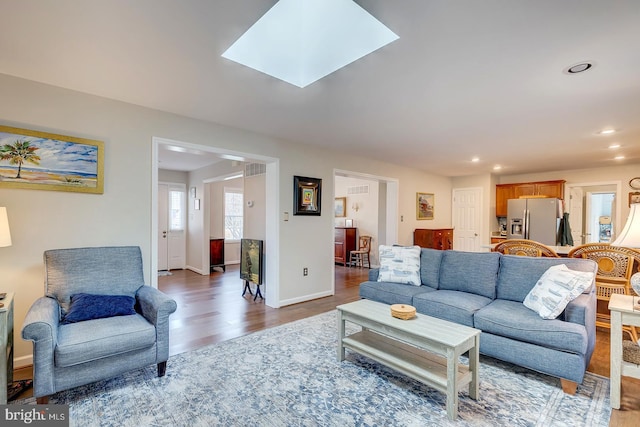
(6, 346)
(622, 313)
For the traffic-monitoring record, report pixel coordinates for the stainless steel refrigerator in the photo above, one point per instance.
(534, 219)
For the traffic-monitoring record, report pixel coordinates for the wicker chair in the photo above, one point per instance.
(364, 250)
(615, 268)
(525, 247)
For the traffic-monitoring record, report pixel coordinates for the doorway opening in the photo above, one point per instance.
(197, 251)
(594, 211)
(371, 208)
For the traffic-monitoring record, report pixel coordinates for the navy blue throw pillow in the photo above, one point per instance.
(89, 306)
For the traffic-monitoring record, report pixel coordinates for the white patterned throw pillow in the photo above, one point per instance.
(557, 287)
(400, 264)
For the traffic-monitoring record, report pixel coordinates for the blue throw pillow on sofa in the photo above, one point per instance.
(88, 306)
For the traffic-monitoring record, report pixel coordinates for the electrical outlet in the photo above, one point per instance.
(305, 271)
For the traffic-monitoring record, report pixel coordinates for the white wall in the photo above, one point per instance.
(43, 220)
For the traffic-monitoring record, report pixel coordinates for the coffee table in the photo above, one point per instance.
(424, 348)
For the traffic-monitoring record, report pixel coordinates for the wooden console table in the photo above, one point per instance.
(344, 242)
(216, 254)
(440, 238)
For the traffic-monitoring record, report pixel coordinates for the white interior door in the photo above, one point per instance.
(172, 206)
(467, 205)
(576, 197)
(163, 227)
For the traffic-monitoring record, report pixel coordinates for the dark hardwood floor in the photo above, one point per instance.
(211, 309)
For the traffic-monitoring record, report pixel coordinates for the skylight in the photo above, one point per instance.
(301, 41)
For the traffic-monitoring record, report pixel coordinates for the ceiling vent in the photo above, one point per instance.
(358, 189)
(254, 169)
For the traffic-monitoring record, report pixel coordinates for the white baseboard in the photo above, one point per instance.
(197, 270)
(21, 362)
(305, 298)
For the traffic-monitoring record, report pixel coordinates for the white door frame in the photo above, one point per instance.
(618, 206)
(272, 206)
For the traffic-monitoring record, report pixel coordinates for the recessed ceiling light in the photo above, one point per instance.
(619, 157)
(614, 146)
(475, 159)
(579, 67)
(497, 167)
(607, 132)
(300, 42)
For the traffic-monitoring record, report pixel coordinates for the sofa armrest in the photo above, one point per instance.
(156, 308)
(373, 274)
(41, 326)
(582, 311)
(41, 322)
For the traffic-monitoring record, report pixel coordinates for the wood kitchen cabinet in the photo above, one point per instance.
(504, 192)
(441, 238)
(344, 242)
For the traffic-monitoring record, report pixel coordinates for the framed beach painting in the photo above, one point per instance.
(46, 161)
(340, 207)
(424, 205)
(307, 194)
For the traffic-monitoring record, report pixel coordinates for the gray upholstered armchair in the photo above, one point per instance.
(67, 355)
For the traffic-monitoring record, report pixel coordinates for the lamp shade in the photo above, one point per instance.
(629, 237)
(5, 234)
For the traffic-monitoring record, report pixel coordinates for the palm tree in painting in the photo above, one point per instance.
(19, 153)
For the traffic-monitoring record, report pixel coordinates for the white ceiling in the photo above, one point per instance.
(466, 78)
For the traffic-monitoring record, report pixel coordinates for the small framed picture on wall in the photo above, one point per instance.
(634, 197)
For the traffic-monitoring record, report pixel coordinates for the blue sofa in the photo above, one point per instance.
(486, 290)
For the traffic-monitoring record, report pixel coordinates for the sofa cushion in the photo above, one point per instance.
(430, 260)
(473, 272)
(455, 306)
(399, 264)
(88, 307)
(513, 320)
(95, 339)
(519, 274)
(556, 288)
(391, 293)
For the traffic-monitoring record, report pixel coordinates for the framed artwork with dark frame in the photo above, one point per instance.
(634, 197)
(47, 161)
(307, 194)
(424, 205)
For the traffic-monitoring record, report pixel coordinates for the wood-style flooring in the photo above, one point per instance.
(211, 309)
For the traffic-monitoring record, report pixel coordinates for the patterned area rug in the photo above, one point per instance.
(290, 376)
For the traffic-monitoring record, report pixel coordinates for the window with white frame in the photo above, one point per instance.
(233, 213)
(176, 208)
